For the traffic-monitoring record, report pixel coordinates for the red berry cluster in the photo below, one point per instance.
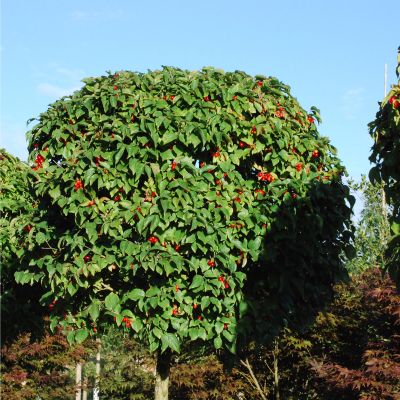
(310, 119)
(127, 322)
(224, 281)
(265, 176)
(39, 162)
(260, 191)
(153, 240)
(78, 185)
(98, 160)
(52, 304)
(315, 154)
(211, 263)
(280, 112)
(393, 100)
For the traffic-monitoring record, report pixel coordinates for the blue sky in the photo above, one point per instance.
(332, 54)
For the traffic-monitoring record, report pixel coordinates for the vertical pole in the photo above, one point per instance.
(276, 370)
(85, 389)
(78, 381)
(96, 390)
(385, 82)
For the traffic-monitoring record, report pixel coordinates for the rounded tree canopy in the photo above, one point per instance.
(157, 192)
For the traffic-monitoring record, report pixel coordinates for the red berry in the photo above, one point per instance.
(78, 185)
(173, 165)
(254, 129)
(259, 83)
(153, 239)
(211, 263)
(153, 194)
(299, 166)
(221, 278)
(90, 203)
(87, 258)
(172, 97)
(242, 145)
(216, 154)
(396, 104)
(226, 285)
(260, 191)
(202, 164)
(225, 326)
(234, 97)
(177, 247)
(115, 87)
(315, 154)
(94, 329)
(392, 99)
(35, 145)
(217, 182)
(199, 317)
(117, 198)
(206, 98)
(294, 195)
(27, 228)
(174, 311)
(177, 288)
(194, 305)
(310, 119)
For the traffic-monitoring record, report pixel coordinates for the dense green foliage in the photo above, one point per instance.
(385, 130)
(19, 305)
(156, 194)
(372, 228)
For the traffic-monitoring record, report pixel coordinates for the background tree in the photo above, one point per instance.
(19, 306)
(156, 192)
(372, 228)
(385, 130)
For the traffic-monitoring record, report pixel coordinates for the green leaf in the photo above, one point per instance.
(94, 311)
(374, 175)
(81, 335)
(198, 281)
(111, 301)
(71, 337)
(218, 342)
(136, 294)
(169, 340)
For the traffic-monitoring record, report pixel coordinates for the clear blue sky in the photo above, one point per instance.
(332, 53)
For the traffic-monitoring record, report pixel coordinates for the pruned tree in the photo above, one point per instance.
(173, 203)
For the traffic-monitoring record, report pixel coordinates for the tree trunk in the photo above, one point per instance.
(96, 390)
(162, 375)
(78, 381)
(276, 370)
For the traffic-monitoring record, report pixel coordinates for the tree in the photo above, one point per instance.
(156, 194)
(372, 230)
(19, 305)
(385, 130)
